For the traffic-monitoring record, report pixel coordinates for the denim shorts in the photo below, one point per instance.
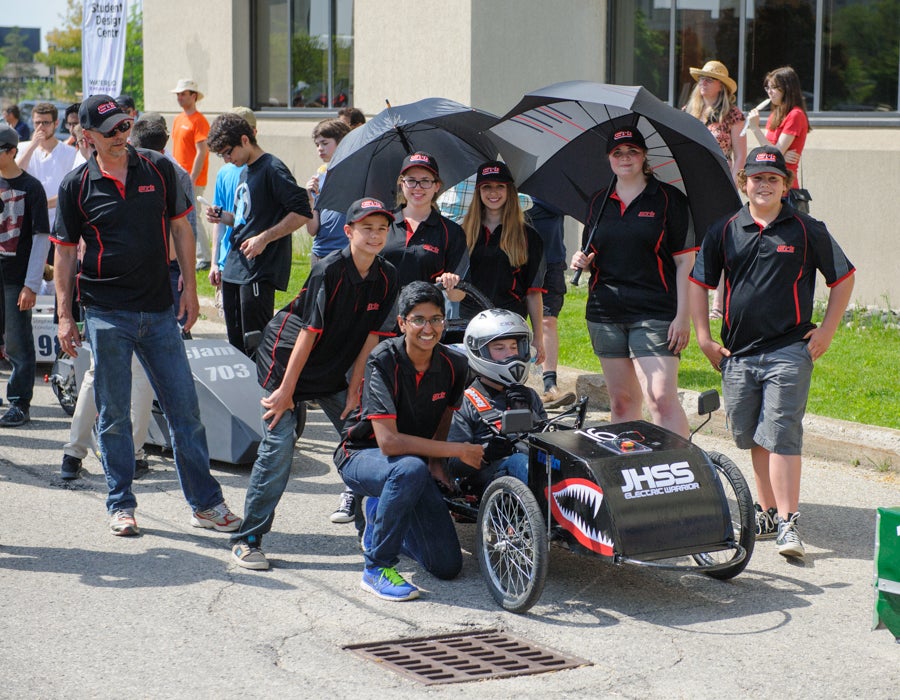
(765, 398)
(555, 286)
(639, 339)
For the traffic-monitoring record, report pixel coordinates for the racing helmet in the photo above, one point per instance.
(495, 324)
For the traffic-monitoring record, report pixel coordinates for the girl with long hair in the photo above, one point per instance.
(506, 256)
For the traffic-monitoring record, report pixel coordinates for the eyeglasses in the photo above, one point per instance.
(706, 79)
(619, 154)
(420, 321)
(425, 184)
(226, 153)
(771, 88)
(42, 123)
(121, 128)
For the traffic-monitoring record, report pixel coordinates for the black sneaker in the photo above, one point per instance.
(15, 416)
(766, 527)
(346, 510)
(788, 540)
(70, 467)
(141, 468)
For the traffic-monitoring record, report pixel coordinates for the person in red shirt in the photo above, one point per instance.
(788, 125)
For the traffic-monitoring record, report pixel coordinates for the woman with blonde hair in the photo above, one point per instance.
(506, 255)
(713, 101)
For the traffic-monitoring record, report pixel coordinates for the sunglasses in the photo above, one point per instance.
(122, 128)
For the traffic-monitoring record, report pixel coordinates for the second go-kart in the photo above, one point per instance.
(628, 493)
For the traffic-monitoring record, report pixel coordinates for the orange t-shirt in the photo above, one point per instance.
(187, 131)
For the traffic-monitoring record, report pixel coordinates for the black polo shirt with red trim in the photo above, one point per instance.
(633, 270)
(342, 308)
(125, 230)
(491, 272)
(770, 276)
(438, 245)
(392, 388)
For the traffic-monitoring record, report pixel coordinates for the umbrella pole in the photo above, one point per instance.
(406, 145)
(587, 245)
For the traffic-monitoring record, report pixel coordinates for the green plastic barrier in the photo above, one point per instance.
(887, 571)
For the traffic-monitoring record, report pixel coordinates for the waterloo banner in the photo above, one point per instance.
(103, 47)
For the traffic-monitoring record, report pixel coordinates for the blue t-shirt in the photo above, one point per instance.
(330, 236)
(227, 181)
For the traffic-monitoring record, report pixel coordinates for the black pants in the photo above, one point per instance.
(248, 308)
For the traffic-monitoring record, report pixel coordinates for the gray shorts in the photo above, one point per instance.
(639, 339)
(765, 398)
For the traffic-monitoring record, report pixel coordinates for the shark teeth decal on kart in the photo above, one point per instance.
(575, 504)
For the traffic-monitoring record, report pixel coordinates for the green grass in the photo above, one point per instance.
(857, 380)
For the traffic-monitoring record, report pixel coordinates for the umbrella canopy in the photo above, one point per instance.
(554, 141)
(367, 160)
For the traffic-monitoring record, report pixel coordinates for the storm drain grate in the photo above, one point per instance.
(467, 656)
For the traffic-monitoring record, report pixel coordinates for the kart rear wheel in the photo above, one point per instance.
(743, 519)
(63, 382)
(511, 544)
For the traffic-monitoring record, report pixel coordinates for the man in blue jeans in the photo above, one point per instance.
(123, 204)
(411, 387)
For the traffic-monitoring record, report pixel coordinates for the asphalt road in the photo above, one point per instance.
(166, 615)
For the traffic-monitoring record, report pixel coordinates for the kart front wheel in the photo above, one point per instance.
(743, 520)
(511, 544)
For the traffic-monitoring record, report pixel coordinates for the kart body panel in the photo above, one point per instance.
(630, 491)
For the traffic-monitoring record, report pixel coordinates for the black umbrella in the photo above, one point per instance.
(367, 161)
(554, 141)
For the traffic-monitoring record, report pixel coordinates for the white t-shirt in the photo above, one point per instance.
(50, 168)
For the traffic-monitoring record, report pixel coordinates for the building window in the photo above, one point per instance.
(302, 54)
(846, 52)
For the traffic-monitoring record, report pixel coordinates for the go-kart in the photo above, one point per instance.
(227, 390)
(630, 493)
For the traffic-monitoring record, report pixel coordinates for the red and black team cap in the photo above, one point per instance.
(420, 159)
(493, 171)
(101, 113)
(626, 136)
(367, 206)
(765, 159)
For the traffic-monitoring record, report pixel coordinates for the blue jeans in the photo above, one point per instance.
(20, 348)
(411, 517)
(272, 468)
(156, 338)
(515, 465)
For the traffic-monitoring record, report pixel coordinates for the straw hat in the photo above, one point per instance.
(189, 84)
(717, 70)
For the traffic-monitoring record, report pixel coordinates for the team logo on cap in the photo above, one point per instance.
(766, 158)
(371, 203)
(106, 107)
(491, 170)
(419, 158)
(622, 135)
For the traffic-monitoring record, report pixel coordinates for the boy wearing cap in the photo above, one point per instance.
(769, 254)
(24, 242)
(189, 148)
(307, 350)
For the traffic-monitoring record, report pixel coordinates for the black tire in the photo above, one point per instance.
(743, 519)
(511, 544)
(63, 383)
(300, 418)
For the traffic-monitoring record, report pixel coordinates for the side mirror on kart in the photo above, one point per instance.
(516, 420)
(708, 402)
